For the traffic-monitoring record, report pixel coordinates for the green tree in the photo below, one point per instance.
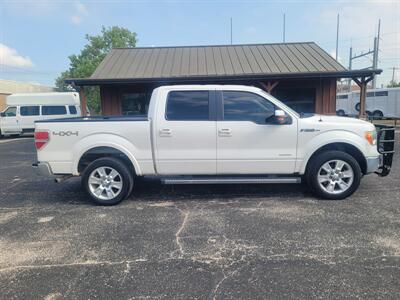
(394, 84)
(84, 64)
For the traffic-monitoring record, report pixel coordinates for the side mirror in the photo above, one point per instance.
(279, 118)
(3, 114)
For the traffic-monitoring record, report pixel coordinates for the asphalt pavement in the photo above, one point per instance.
(194, 242)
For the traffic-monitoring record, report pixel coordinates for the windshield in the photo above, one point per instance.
(281, 104)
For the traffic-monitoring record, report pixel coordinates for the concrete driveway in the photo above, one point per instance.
(194, 242)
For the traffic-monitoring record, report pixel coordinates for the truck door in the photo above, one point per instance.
(185, 133)
(247, 143)
(9, 121)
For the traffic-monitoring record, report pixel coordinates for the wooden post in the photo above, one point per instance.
(363, 94)
(269, 86)
(82, 98)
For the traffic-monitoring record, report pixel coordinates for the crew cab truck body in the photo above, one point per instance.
(213, 134)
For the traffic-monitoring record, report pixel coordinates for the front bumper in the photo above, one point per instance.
(373, 164)
(385, 144)
(42, 169)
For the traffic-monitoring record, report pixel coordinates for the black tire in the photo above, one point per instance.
(340, 113)
(315, 166)
(117, 165)
(358, 106)
(377, 114)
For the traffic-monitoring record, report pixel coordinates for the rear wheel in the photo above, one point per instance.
(377, 114)
(107, 181)
(333, 175)
(341, 113)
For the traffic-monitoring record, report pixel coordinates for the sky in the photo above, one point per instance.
(37, 36)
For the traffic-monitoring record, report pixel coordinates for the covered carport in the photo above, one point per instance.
(302, 75)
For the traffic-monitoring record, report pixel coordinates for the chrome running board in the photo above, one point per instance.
(229, 180)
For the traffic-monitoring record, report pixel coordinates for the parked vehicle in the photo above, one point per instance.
(24, 109)
(206, 134)
(379, 103)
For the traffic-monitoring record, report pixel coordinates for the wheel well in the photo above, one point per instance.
(349, 149)
(99, 152)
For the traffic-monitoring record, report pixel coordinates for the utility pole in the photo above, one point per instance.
(337, 38)
(350, 66)
(284, 28)
(394, 68)
(376, 53)
(231, 32)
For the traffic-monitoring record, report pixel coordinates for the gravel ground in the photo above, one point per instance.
(203, 242)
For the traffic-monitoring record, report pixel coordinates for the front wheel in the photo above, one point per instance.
(333, 175)
(107, 181)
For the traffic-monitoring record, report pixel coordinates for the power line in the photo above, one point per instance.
(358, 38)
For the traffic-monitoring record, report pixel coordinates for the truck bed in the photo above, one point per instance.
(70, 138)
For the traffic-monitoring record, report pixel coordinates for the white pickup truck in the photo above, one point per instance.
(206, 134)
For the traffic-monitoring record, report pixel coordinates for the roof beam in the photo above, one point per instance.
(216, 78)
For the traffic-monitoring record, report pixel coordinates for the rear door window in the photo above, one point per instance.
(381, 93)
(48, 110)
(188, 106)
(29, 110)
(72, 110)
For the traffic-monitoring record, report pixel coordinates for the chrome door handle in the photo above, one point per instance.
(165, 132)
(225, 132)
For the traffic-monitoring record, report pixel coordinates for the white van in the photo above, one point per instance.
(24, 109)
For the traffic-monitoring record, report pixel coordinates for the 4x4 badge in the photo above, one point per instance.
(66, 133)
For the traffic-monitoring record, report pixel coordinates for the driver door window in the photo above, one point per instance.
(11, 112)
(244, 106)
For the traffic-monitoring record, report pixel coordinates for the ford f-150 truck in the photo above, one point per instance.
(206, 134)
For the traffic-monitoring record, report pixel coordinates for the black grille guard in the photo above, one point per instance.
(385, 144)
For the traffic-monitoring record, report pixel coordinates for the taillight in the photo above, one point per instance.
(41, 139)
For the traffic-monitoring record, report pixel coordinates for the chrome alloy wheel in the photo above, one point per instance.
(335, 176)
(105, 183)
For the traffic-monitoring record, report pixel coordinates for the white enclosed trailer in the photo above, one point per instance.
(379, 103)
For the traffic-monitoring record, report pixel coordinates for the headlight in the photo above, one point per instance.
(370, 136)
